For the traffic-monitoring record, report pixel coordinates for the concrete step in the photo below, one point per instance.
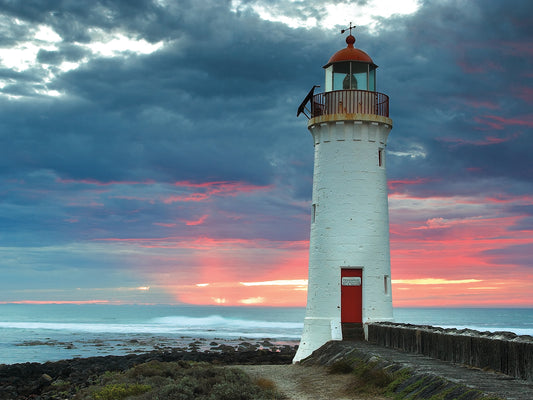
(352, 331)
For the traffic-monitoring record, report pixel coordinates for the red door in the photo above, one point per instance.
(351, 295)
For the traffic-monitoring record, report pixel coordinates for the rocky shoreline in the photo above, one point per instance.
(30, 380)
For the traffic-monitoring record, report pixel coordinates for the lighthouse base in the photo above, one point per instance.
(317, 332)
(353, 331)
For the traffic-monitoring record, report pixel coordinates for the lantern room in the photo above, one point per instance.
(350, 87)
(350, 69)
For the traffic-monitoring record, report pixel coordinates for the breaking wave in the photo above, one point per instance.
(184, 325)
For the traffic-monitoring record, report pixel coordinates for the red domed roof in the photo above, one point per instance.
(350, 53)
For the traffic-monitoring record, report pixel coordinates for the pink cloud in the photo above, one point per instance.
(439, 223)
(400, 183)
(482, 104)
(186, 198)
(166, 225)
(470, 68)
(503, 198)
(486, 141)
(453, 240)
(499, 123)
(199, 221)
(515, 48)
(222, 186)
(463, 49)
(206, 190)
(88, 204)
(524, 93)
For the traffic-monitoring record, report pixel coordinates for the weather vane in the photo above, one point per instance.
(350, 28)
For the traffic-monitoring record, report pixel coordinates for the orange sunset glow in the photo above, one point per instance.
(435, 262)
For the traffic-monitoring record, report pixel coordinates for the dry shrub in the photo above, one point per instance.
(368, 378)
(264, 383)
(157, 380)
(340, 367)
(120, 391)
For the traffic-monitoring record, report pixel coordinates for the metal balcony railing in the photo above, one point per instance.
(350, 102)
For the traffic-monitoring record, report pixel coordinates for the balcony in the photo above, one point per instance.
(349, 102)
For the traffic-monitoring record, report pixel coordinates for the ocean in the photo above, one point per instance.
(49, 332)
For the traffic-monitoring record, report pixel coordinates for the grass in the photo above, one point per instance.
(119, 391)
(370, 379)
(399, 377)
(367, 377)
(181, 380)
(341, 367)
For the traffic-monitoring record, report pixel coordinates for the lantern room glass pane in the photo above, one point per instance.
(360, 70)
(372, 80)
(341, 72)
(329, 79)
(361, 81)
(344, 81)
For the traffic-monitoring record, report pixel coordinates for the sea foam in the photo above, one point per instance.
(173, 325)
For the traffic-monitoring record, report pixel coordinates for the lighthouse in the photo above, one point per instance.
(349, 253)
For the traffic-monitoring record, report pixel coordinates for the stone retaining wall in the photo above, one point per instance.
(499, 351)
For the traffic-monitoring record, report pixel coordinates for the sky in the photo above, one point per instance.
(150, 150)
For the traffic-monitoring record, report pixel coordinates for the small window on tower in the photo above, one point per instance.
(313, 213)
(386, 284)
(380, 157)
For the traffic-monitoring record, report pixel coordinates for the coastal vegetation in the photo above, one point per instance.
(373, 378)
(172, 373)
(182, 375)
(367, 377)
(180, 380)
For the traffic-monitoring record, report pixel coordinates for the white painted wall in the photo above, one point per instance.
(350, 227)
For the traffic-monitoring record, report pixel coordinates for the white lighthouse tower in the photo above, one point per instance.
(349, 257)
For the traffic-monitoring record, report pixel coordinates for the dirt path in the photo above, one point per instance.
(304, 382)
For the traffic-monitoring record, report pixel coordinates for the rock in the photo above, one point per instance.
(31, 380)
(246, 346)
(225, 348)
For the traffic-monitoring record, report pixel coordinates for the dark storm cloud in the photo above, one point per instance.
(71, 19)
(175, 114)
(66, 52)
(224, 79)
(449, 68)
